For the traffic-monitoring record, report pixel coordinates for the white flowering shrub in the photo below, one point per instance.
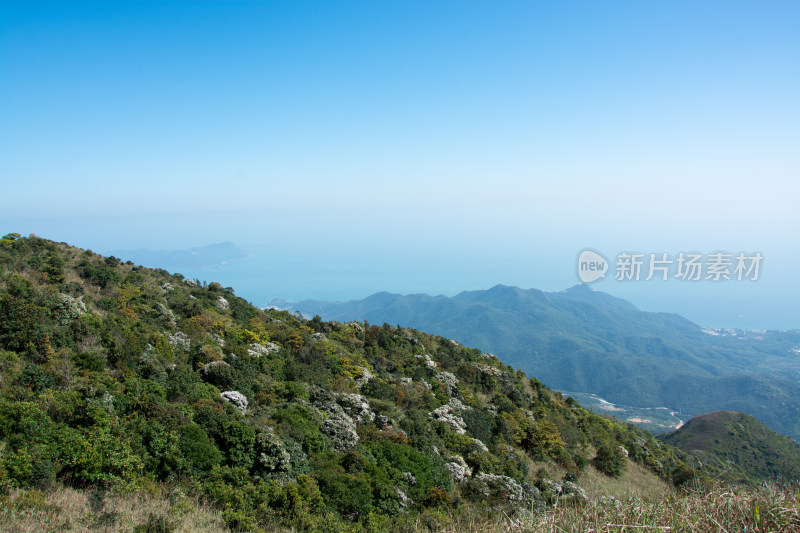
(449, 380)
(366, 375)
(573, 491)
(447, 414)
(550, 487)
(67, 308)
(403, 501)
(238, 399)
(488, 370)
(261, 350)
(151, 366)
(165, 315)
(179, 340)
(429, 362)
(341, 431)
(356, 406)
(458, 468)
(271, 455)
(499, 488)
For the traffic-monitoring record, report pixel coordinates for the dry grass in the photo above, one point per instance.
(69, 510)
(719, 509)
(637, 481)
(769, 509)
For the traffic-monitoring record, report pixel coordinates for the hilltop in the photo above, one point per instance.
(740, 446)
(584, 340)
(132, 399)
(118, 377)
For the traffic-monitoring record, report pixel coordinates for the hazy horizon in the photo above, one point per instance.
(264, 275)
(432, 147)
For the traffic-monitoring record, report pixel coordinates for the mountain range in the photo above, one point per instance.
(588, 341)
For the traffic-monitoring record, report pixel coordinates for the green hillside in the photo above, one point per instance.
(584, 340)
(127, 380)
(739, 445)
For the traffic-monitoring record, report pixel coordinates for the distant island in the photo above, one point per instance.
(201, 256)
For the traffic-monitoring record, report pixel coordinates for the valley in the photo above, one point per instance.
(656, 420)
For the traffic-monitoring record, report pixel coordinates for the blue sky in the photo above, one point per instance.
(413, 146)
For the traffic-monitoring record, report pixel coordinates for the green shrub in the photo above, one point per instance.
(236, 439)
(199, 452)
(101, 275)
(610, 460)
(397, 459)
(348, 495)
(479, 424)
(89, 361)
(18, 466)
(300, 424)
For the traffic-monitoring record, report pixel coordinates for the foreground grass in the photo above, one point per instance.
(719, 509)
(636, 482)
(715, 509)
(66, 509)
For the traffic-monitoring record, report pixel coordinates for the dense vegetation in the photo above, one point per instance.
(743, 448)
(582, 340)
(119, 378)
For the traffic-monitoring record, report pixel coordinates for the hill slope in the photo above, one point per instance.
(584, 340)
(744, 448)
(115, 376)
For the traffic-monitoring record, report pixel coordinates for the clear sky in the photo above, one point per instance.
(427, 146)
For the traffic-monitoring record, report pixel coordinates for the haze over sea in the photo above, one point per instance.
(295, 264)
(354, 147)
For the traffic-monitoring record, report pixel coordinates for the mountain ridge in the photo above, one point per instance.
(118, 377)
(580, 339)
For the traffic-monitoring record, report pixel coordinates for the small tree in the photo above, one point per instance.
(610, 460)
